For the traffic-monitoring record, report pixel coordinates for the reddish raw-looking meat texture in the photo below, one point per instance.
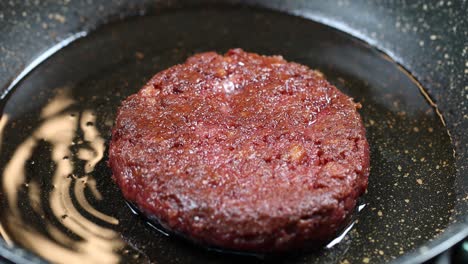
(242, 151)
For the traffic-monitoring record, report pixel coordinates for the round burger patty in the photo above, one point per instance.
(242, 151)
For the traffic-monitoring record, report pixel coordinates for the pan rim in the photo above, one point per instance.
(455, 233)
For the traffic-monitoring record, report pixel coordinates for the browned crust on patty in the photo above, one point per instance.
(242, 151)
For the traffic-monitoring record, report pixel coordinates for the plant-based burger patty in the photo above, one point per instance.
(242, 151)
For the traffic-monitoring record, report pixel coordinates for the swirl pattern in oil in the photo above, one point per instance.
(62, 129)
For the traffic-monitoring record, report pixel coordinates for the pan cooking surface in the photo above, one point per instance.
(58, 199)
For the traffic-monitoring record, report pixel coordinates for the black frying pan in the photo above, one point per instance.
(66, 67)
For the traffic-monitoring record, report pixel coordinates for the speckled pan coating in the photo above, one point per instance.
(426, 37)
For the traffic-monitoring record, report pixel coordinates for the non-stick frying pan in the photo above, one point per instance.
(65, 67)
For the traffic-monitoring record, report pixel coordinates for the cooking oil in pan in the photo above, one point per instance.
(58, 199)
